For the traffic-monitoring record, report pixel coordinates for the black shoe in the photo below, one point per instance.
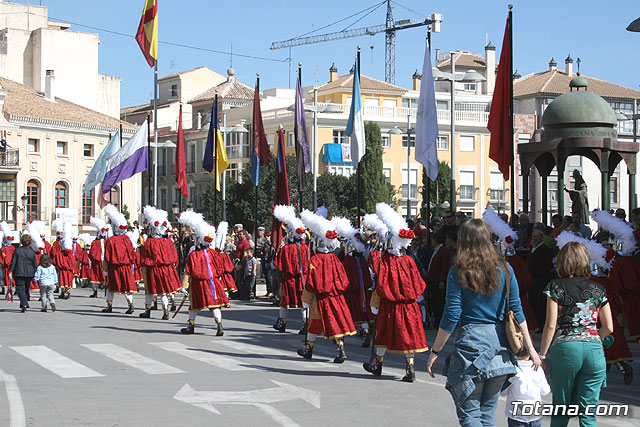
(341, 356)
(155, 305)
(306, 352)
(410, 374)
(145, 314)
(53, 307)
(190, 329)
(130, 310)
(280, 325)
(220, 331)
(366, 342)
(109, 309)
(44, 309)
(303, 330)
(373, 366)
(1, 290)
(173, 306)
(627, 372)
(94, 294)
(165, 315)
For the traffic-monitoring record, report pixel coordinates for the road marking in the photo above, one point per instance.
(17, 416)
(55, 362)
(202, 355)
(135, 360)
(260, 398)
(272, 354)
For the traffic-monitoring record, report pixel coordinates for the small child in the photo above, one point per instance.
(48, 277)
(527, 386)
(250, 269)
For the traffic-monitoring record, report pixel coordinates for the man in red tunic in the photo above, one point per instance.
(118, 259)
(66, 261)
(292, 260)
(323, 293)
(6, 254)
(96, 255)
(205, 291)
(159, 261)
(399, 326)
(224, 265)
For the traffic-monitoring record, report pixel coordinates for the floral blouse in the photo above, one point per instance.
(579, 301)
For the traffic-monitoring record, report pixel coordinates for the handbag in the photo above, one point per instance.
(512, 326)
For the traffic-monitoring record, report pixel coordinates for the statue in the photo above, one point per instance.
(579, 197)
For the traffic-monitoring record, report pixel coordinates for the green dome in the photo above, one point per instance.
(578, 81)
(579, 108)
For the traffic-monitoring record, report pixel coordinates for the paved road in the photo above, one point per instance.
(80, 367)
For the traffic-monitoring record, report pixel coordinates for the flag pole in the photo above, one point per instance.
(511, 117)
(149, 157)
(358, 185)
(299, 151)
(214, 122)
(155, 132)
(122, 183)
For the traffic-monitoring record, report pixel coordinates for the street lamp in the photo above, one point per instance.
(470, 76)
(397, 131)
(237, 129)
(24, 199)
(315, 109)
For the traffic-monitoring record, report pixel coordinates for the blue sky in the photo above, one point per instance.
(590, 29)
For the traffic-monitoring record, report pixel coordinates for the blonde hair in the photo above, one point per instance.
(477, 259)
(573, 260)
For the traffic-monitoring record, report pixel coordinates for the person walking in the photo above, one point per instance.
(571, 338)
(47, 277)
(22, 269)
(481, 360)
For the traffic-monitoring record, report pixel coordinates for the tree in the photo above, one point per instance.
(374, 187)
(441, 185)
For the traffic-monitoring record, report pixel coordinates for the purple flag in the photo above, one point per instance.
(128, 161)
(302, 142)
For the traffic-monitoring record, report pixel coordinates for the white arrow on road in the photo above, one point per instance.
(259, 398)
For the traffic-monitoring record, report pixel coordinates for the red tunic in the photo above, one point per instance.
(328, 281)
(358, 294)
(224, 267)
(120, 256)
(160, 258)
(202, 294)
(137, 267)
(85, 268)
(55, 248)
(523, 276)
(625, 273)
(47, 247)
(399, 326)
(619, 351)
(66, 263)
(77, 253)
(6, 255)
(288, 263)
(96, 275)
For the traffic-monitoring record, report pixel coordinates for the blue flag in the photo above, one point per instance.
(96, 176)
(255, 168)
(355, 125)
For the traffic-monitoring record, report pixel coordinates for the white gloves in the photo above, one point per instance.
(305, 305)
(374, 310)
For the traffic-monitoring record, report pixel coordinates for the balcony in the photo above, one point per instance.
(467, 192)
(10, 159)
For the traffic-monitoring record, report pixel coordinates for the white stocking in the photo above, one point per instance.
(311, 337)
(129, 298)
(365, 325)
(217, 314)
(110, 295)
(192, 314)
(410, 355)
(283, 312)
(303, 311)
(148, 299)
(165, 301)
(380, 351)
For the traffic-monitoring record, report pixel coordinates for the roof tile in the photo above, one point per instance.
(556, 82)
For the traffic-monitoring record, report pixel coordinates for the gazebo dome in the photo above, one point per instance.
(579, 107)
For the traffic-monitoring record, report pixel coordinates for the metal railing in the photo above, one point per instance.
(467, 192)
(9, 159)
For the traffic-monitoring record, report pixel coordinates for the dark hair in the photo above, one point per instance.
(452, 235)
(438, 237)
(45, 261)
(25, 240)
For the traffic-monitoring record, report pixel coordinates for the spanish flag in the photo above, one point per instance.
(147, 35)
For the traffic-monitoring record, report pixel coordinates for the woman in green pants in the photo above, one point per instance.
(574, 305)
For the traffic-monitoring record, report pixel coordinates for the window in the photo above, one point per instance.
(235, 171)
(470, 87)
(387, 174)
(291, 139)
(575, 161)
(552, 191)
(466, 186)
(344, 169)
(371, 102)
(410, 184)
(87, 150)
(339, 137)
(442, 105)
(33, 200)
(61, 195)
(7, 199)
(466, 143)
(404, 141)
(391, 103)
(61, 148)
(496, 186)
(33, 145)
(386, 141)
(443, 142)
(163, 199)
(174, 91)
(237, 146)
(613, 190)
(87, 206)
(191, 161)
(407, 103)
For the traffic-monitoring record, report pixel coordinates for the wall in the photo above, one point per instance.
(108, 96)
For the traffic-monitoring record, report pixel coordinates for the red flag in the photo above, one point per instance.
(282, 190)
(500, 117)
(147, 34)
(259, 136)
(181, 160)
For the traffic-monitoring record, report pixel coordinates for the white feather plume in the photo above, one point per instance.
(117, 219)
(36, 240)
(396, 224)
(85, 238)
(347, 231)
(321, 227)
(5, 228)
(98, 223)
(134, 236)
(67, 235)
(40, 226)
(221, 234)
(57, 225)
(287, 215)
(157, 219)
(618, 228)
(499, 227)
(597, 252)
(372, 222)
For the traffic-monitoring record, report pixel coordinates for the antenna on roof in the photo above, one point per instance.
(486, 37)
(172, 66)
(315, 75)
(578, 61)
(231, 60)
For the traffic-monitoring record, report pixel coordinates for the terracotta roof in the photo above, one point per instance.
(180, 73)
(465, 59)
(134, 109)
(230, 89)
(23, 103)
(366, 84)
(556, 82)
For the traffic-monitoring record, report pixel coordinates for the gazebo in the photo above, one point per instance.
(577, 123)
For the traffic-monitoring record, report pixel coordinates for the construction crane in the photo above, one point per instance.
(390, 27)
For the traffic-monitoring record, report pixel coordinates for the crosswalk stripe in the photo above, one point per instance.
(55, 362)
(202, 355)
(135, 360)
(269, 353)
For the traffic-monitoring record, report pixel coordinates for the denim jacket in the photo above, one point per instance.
(481, 352)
